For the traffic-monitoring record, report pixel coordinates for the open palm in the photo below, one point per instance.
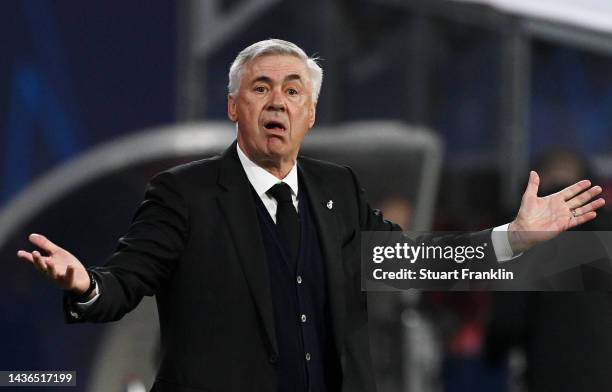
(542, 218)
(58, 264)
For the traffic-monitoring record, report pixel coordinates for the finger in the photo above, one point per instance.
(52, 271)
(39, 262)
(67, 278)
(592, 206)
(532, 184)
(27, 256)
(575, 189)
(580, 219)
(43, 242)
(584, 197)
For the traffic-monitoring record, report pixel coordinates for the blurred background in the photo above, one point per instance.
(441, 106)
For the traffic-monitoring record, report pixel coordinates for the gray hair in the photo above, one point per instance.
(274, 47)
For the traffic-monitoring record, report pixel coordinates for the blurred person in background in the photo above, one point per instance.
(566, 336)
(254, 255)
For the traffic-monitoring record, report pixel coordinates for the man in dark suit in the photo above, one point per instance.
(254, 255)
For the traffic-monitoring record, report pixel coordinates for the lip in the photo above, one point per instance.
(274, 126)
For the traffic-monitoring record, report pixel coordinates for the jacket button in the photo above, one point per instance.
(273, 359)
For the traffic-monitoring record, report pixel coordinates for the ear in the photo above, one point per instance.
(312, 114)
(232, 112)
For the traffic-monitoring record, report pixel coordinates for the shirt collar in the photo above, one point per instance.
(261, 179)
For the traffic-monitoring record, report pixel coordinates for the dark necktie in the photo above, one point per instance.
(287, 219)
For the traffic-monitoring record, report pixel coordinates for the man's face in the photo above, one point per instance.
(273, 108)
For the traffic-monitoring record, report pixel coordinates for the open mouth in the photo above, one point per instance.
(274, 125)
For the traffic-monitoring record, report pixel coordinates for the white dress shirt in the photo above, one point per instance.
(262, 181)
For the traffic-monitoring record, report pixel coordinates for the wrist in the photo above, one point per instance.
(516, 238)
(89, 292)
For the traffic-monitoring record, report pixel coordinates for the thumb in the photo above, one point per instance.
(532, 185)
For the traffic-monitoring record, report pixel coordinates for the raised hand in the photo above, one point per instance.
(542, 218)
(59, 265)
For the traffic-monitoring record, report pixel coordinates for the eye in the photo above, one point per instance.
(260, 89)
(292, 91)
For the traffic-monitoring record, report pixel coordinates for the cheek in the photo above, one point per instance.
(250, 115)
(247, 104)
(299, 112)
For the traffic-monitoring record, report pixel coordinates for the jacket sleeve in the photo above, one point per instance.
(145, 257)
(372, 220)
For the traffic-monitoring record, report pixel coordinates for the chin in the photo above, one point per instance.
(277, 147)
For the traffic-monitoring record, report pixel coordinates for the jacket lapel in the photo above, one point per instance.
(240, 211)
(330, 243)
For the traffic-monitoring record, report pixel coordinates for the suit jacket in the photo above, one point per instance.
(196, 245)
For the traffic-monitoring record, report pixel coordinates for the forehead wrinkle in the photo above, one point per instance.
(288, 78)
(262, 78)
(262, 66)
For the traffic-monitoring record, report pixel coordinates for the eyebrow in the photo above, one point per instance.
(293, 77)
(267, 79)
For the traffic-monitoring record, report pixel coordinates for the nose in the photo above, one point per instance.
(277, 101)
